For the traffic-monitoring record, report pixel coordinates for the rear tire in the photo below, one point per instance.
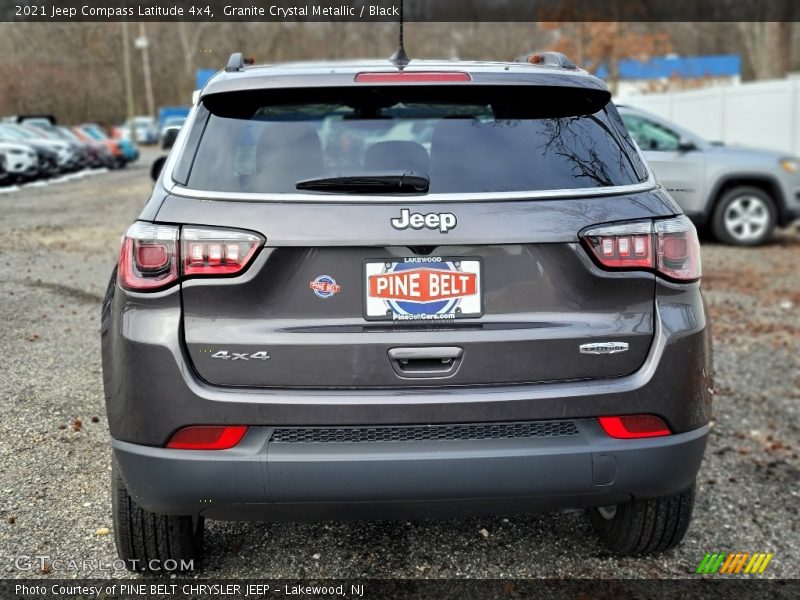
(644, 526)
(744, 216)
(148, 541)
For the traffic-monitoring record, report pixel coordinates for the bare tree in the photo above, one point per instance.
(75, 70)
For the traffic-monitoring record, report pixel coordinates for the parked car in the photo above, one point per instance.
(112, 146)
(21, 161)
(170, 116)
(143, 129)
(66, 157)
(169, 124)
(78, 157)
(510, 320)
(127, 149)
(741, 194)
(4, 177)
(47, 157)
(121, 131)
(97, 153)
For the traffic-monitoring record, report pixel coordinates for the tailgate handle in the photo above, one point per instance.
(431, 361)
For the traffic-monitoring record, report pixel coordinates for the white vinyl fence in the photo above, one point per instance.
(761, 114)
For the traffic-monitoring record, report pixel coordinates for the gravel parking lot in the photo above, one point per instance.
(57, 247)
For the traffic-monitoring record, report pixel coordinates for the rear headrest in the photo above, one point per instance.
(460, 155)
(397, 155)
(287, 152)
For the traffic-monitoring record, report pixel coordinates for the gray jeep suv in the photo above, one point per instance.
(367, 291)
(740, 194)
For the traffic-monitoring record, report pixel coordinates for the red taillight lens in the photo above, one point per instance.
(216, 251)
(413, 77)
(678, 249)
(634, 426)
(148, 260)
(207, 437)
(152, 257)
(669, 247)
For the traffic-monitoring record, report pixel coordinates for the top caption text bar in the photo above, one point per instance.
(388, 10)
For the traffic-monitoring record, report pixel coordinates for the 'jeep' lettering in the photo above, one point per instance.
(444, 222)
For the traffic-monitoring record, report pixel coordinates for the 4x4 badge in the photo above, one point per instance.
(444, 222)
(225, 355)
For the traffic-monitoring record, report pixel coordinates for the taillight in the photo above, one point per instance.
(668, 246)
(216, 251)
(207, 437)
(678, 249)
(152, 258)
(634, 426)
(149, 257)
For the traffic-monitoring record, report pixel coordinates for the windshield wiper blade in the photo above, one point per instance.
(402, 182)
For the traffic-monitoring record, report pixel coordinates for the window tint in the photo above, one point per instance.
(478, 144)
(651, 135)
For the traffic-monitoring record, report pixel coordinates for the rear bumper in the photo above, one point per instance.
(300, 480)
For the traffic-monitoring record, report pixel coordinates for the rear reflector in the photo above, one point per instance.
(207, 437)
(669, 247)
(634, 426)
(413, 77)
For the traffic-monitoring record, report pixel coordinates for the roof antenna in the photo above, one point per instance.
(400, 59)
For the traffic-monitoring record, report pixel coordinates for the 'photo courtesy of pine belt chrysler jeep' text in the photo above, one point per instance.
(391, 289)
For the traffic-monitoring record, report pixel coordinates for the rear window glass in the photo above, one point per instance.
(469, 140)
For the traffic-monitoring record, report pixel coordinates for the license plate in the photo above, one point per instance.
(422, 288)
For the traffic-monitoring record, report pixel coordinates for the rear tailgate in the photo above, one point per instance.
(298, 316)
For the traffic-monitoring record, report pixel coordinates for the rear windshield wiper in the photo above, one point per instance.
(401, 182)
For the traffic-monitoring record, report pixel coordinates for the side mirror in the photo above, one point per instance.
(157, 166)
(686, 145)
(168, 140)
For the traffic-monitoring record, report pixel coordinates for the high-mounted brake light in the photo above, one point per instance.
(413, 77)
(152, 259)
(668, 246)
(629, 427)
(207, 437)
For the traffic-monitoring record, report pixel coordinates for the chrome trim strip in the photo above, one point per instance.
(645, 186)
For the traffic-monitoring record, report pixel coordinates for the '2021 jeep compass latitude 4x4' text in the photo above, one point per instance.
(366, 291)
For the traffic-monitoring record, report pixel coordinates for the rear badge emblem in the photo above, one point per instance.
(604, 348)
(444, 222)
(325, 286)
